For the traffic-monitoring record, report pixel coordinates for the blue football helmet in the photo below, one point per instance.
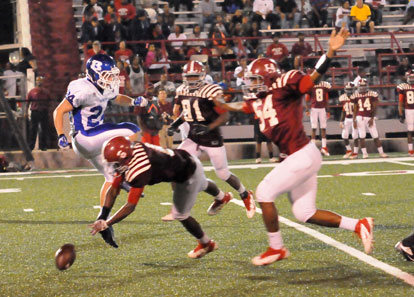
(101, 69)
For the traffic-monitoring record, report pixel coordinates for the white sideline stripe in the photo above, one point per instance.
(394, 271)
(166, 203)
(97, 207)
(368, 194)
(28, 210)
(50, 176)
(401, 163)
(15, 190)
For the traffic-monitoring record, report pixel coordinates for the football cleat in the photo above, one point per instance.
(411, 153)
(383, 155)
(168, 218)
(324, 151)
(217, 205)
(250, 204)
(353, 156)
(270, 256)
(365, 230)
(406, 251)
(108, 236)
(202, 249)
(273, 160)
(347, 154)
(258, 160)
(364, 156)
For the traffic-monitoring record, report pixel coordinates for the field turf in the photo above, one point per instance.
(152, 257)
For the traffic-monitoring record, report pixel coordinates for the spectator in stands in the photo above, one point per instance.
(239, 72)
(39, 101)
(124, 53)
(231, 6)
(376, 7)
(114, 32)
(402, 69)
(218, 40)
(28, 61)
(409, 13)
(165, 28)
(152, 13)
(166, 111)
(149, 118)
(342, 16)
(219, 22)
(126, 11)
(361, 74)
(137, 76)
(124, 83)
(92, 30)
(167, 17)
(208, 10)
(259, 137)
(139, 30)
(96, 49)
(278, 52)
(305, 10)
(176, 4)
(319, 13)
(288, 12)
(300, 49)
(411, 51)
(177, 35)
(361, 17)
(253, 45)
(10, 84)
(110, 10)
(197, 47)
(98, 11)
(264, 10)
(151, 56)
(167, 86)
(237, 17)
(156, 34)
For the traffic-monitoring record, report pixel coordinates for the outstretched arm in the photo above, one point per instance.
(336, 41)
(63, 108)
(125, 100)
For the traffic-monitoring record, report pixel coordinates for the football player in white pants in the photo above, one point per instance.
(85, 101)
(365, 107)
(406, 107)
(279, 107)
(346, 122)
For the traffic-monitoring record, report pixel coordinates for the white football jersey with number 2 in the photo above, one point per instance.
(88, 103)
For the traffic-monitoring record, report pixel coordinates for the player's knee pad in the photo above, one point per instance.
(223, 173)
(262, 192)
(302, 211)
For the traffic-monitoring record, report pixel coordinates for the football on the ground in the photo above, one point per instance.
(65, 256)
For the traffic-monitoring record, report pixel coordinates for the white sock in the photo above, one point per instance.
(313, 141)
(205, 239)
(356, 149)
(348, 147)
(275, 240)
(410, 147)
(364, 150)
(220, 195)
(380, 150)
(348, 223)
(323, 142)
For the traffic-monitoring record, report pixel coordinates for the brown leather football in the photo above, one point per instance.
(65, 256)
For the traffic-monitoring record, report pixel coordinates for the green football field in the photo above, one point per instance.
(41, 211)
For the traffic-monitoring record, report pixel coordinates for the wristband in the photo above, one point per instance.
(323, 64)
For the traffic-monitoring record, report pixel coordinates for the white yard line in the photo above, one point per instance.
(50, 176)
(15, 190)
(400, 163)
(394, 271)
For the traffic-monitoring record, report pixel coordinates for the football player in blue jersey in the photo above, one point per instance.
(85, 101)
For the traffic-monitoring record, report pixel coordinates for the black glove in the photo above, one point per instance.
(171, 130)
(108, 236)
(200, 129)
(402, 119)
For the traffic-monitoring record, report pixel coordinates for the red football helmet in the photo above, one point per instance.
(349, 88)
(194, 74)
(363, 86)
(410, 75)
(259, 77)
(117, 151)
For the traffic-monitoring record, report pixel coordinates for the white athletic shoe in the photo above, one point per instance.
(347, 155)
(217, 205)
(168, 218)
(383, 155)
(258, 160)
(324, 151)
(365, 230)
(270, 256)
(202, 249)
(364, 156)
(273, 160)
(250, 205)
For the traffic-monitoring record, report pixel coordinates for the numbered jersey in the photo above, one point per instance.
(151, 164)
(199, 108)
(365, 102)
(319, 95)
(347, 105)
(88, 103)
(280, 113)
(406, 92)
